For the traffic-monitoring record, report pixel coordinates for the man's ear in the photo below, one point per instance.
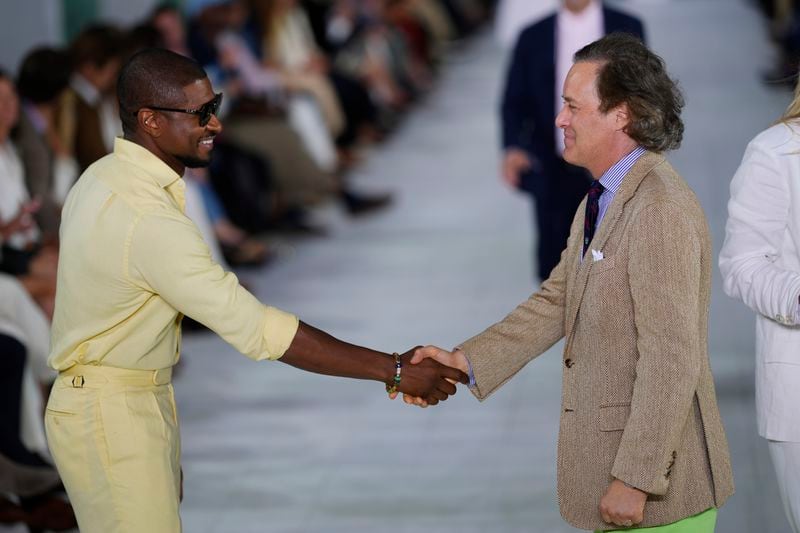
(622, 116)
(149, 122)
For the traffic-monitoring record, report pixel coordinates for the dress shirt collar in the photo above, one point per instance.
(138, 155)
(84, 89)
(612, 178)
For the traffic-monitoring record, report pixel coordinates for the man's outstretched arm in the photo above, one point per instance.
(316, 351)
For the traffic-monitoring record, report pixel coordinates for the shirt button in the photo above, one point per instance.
(568, 363)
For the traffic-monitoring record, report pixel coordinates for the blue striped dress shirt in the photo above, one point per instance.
(612, 179)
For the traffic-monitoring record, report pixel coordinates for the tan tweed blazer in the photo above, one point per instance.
(638, 400)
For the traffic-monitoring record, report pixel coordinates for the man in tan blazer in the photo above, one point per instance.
(641, 441)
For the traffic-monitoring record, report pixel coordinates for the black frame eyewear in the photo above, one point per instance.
(204, 112)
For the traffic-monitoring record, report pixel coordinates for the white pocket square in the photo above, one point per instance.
(597, 255)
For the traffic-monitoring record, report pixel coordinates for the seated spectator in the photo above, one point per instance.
(361, 50)
(290, 48)
(258, 121)
(289, 45)
(436, 21)
(88, 119)
(23, 253)
(50, 170)
(228, 243)
(30, 485)
(168, 21)
(401, 15)
(19, 233)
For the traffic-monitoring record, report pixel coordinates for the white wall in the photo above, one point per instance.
(25, 24)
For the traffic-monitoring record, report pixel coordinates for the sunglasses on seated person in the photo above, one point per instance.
(204, 111)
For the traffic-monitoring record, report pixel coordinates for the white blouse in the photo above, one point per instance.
(13, 194)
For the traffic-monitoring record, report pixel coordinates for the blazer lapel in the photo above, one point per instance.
(630, 183)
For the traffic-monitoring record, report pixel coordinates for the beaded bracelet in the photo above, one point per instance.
(398, 367)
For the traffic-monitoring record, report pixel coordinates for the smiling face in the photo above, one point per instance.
(592, 139)
(179, 138)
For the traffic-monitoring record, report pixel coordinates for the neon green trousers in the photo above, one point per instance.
(699, 523)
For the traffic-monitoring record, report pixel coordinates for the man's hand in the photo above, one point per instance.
(622, 505)
(455, 359)
(515, 162)
(428, 379)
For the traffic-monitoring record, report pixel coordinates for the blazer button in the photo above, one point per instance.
(568, 363)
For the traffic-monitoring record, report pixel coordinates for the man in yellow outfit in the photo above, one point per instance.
(131, 265)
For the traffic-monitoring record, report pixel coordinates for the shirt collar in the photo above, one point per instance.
(612, 178)
(138, 155)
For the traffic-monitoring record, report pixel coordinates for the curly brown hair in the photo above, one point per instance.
(632, 74)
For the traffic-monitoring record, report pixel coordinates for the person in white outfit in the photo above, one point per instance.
(760, 264)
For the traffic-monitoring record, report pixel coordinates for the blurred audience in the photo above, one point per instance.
(30, 488)
(19, 232)
(23, 253)
(267, 120)
(88, 117)
(50, 168)
(307, 85)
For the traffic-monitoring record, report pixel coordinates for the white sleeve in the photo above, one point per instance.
(758, 218)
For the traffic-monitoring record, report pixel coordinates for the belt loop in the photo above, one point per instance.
(77, 382)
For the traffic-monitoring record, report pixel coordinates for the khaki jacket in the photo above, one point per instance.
(638, 400)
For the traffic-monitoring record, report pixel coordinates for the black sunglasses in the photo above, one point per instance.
(204, 111)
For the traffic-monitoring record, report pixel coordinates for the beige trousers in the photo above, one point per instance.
(114, 436)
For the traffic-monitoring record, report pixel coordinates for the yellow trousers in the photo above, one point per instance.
(114, 436)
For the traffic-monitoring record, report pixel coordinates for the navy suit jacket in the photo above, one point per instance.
(529, 101)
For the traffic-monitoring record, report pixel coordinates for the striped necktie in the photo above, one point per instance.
(592, 210)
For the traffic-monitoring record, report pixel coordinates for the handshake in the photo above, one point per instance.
(427, 375)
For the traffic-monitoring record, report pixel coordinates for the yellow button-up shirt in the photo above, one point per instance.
(132, 264)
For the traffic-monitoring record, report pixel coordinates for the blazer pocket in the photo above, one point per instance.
(614, 417)
(601, 266)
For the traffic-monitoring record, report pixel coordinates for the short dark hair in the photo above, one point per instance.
(632, 74)
(96, 45)
(154, 77)
(44, 74)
